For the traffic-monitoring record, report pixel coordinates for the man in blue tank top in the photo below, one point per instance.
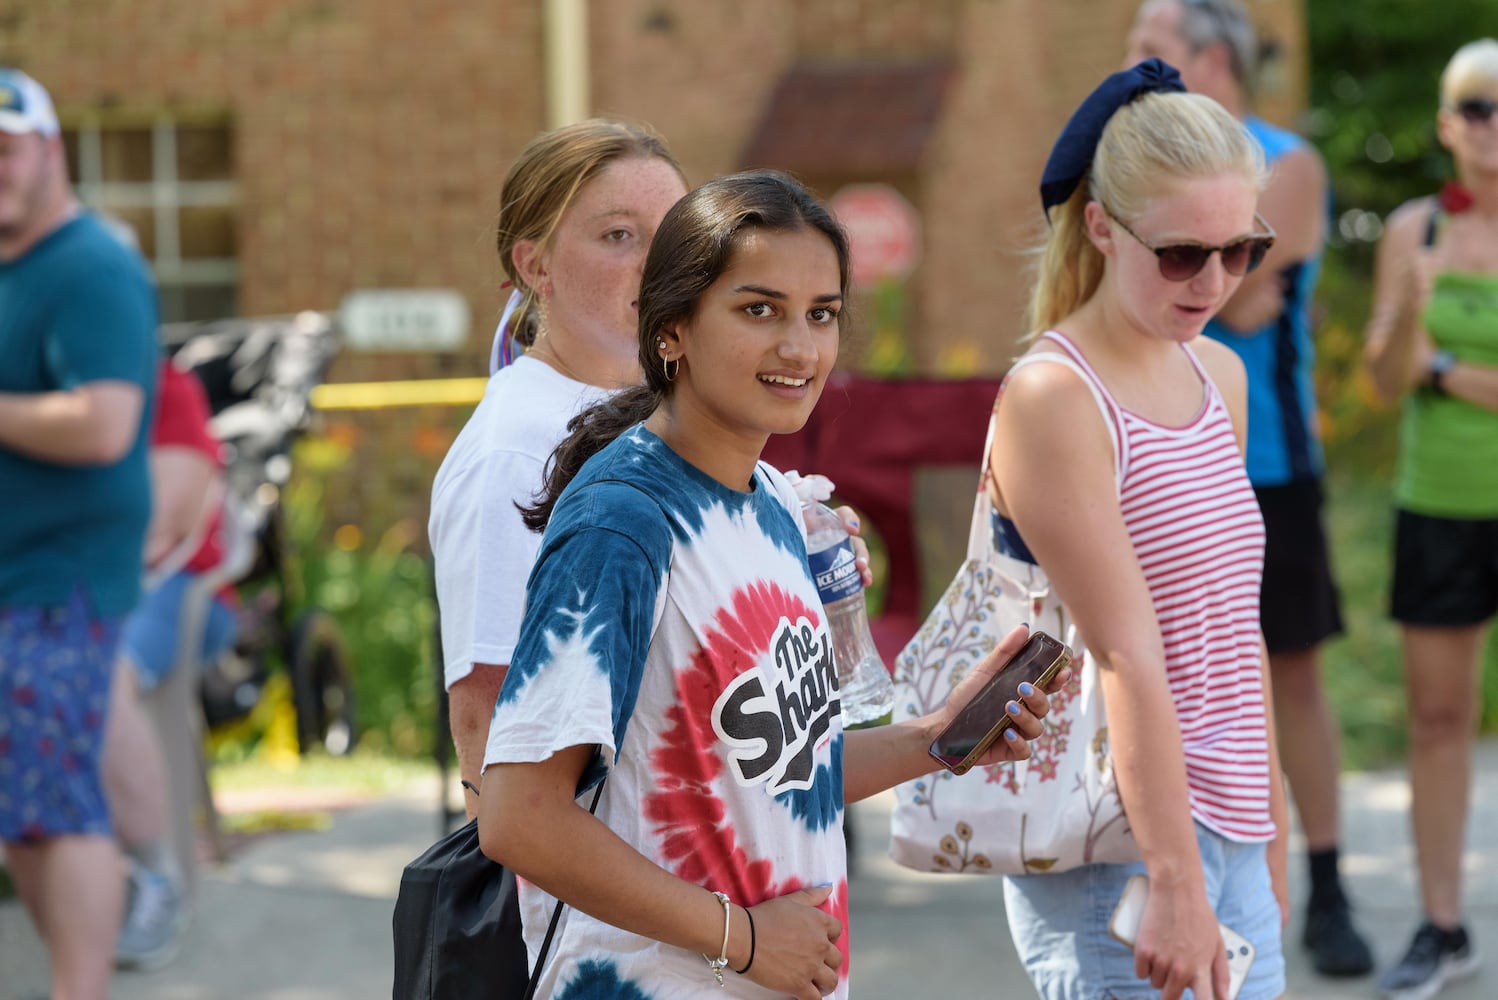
(78, 335)
(1267, 323)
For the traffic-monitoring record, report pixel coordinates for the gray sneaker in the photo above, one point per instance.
(1435, 958)
(154, 920)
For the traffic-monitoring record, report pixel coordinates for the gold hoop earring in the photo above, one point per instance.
(670, 368)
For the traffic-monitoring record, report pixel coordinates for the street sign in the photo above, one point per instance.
(883, 228)
(404, 319)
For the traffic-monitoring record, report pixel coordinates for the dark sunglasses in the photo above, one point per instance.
(1184, 261)
(1476, 110)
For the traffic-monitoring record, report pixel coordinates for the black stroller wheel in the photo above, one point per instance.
(322, 686)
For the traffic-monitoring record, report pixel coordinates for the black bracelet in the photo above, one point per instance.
(740, 972)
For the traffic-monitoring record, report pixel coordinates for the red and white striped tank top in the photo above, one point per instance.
(1199, 536)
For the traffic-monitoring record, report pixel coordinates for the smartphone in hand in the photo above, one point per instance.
(1124, 926)
(979, 723)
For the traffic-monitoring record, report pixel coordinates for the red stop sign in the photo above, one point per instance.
(883, 228)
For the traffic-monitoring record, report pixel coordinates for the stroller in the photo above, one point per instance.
(258, 374)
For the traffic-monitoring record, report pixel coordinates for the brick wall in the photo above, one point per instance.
(701, 73)
(372, 135)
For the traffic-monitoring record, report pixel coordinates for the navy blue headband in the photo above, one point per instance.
(1071, 157)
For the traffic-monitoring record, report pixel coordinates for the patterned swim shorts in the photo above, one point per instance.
(55, 670)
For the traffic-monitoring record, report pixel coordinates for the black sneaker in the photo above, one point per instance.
(1337, 949)
(1435, 958)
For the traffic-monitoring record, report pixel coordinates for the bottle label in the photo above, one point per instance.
(835, 571)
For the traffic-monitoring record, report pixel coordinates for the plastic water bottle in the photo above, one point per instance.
(864, 686)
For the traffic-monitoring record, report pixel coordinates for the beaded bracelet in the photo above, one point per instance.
(740, 972)
(721, 962)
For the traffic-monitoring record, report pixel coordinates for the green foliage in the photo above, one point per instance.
(1375, 72)
(886, 351)
(380, 592)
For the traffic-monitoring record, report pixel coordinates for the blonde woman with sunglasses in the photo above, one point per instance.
(1433, 343)
(1118, 457)
(1268, 323)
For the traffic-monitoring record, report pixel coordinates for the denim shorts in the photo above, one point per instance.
(152, 631)
(1060, 924)
(55, 670)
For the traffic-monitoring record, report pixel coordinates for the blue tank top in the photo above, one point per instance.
(1284, 440)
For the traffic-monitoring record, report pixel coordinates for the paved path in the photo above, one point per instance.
(306, 916)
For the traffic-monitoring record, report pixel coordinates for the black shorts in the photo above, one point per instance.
(1298, 605)
(1445, 570)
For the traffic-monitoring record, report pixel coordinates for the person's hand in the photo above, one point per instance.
(1180, 946)
(795, 945)
(1027, 711)
(860, 547)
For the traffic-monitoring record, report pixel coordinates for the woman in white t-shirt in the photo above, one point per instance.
(578, 209)
(674, 644)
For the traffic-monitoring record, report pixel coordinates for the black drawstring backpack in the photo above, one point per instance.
(457, 925)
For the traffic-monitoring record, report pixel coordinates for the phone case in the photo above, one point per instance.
(1063, 659)
(1124, 926)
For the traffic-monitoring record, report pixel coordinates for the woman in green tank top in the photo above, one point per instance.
(1433, 341)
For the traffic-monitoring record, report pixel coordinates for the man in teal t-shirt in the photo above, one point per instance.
(78, 338)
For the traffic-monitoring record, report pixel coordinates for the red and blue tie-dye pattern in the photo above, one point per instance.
(674, 623)
(698, 838)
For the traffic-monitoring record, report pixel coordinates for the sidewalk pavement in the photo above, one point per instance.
(306, 916)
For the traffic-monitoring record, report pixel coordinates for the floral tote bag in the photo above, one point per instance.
(1055, 811)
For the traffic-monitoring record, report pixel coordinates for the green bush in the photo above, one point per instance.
(380, 591)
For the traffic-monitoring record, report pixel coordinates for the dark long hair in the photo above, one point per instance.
(694, 245)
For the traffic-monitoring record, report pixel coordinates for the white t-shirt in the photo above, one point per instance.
(673, 622)
(481, 548)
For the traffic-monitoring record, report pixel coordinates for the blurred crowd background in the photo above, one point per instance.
(274, 156)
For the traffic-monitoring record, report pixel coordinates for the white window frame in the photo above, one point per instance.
(164, 194)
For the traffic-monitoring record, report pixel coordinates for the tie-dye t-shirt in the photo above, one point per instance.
(673, 622)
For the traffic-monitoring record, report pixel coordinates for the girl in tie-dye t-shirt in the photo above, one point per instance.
(674, 643)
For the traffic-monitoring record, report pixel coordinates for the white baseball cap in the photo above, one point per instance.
(24, 105)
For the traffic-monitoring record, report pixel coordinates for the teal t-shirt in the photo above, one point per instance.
(1284, 437)
(78, 307)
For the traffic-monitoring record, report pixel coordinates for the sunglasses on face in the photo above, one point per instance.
(1184, 261)
(1476, 110)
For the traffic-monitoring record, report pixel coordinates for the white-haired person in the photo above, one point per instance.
(1432, 341)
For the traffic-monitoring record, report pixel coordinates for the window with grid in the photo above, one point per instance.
(172, 183)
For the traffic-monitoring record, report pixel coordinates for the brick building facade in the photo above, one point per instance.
(279, 154)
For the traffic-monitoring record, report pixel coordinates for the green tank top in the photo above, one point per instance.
(1448, 454)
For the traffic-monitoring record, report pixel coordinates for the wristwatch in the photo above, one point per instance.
(1441, 362)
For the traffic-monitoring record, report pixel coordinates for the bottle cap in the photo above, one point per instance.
(810, 489)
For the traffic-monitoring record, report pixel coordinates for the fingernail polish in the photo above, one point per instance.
(1012, 708)
(1011, 735)
(1026, 689)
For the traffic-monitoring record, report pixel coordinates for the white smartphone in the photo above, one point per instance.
(1130, 910)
